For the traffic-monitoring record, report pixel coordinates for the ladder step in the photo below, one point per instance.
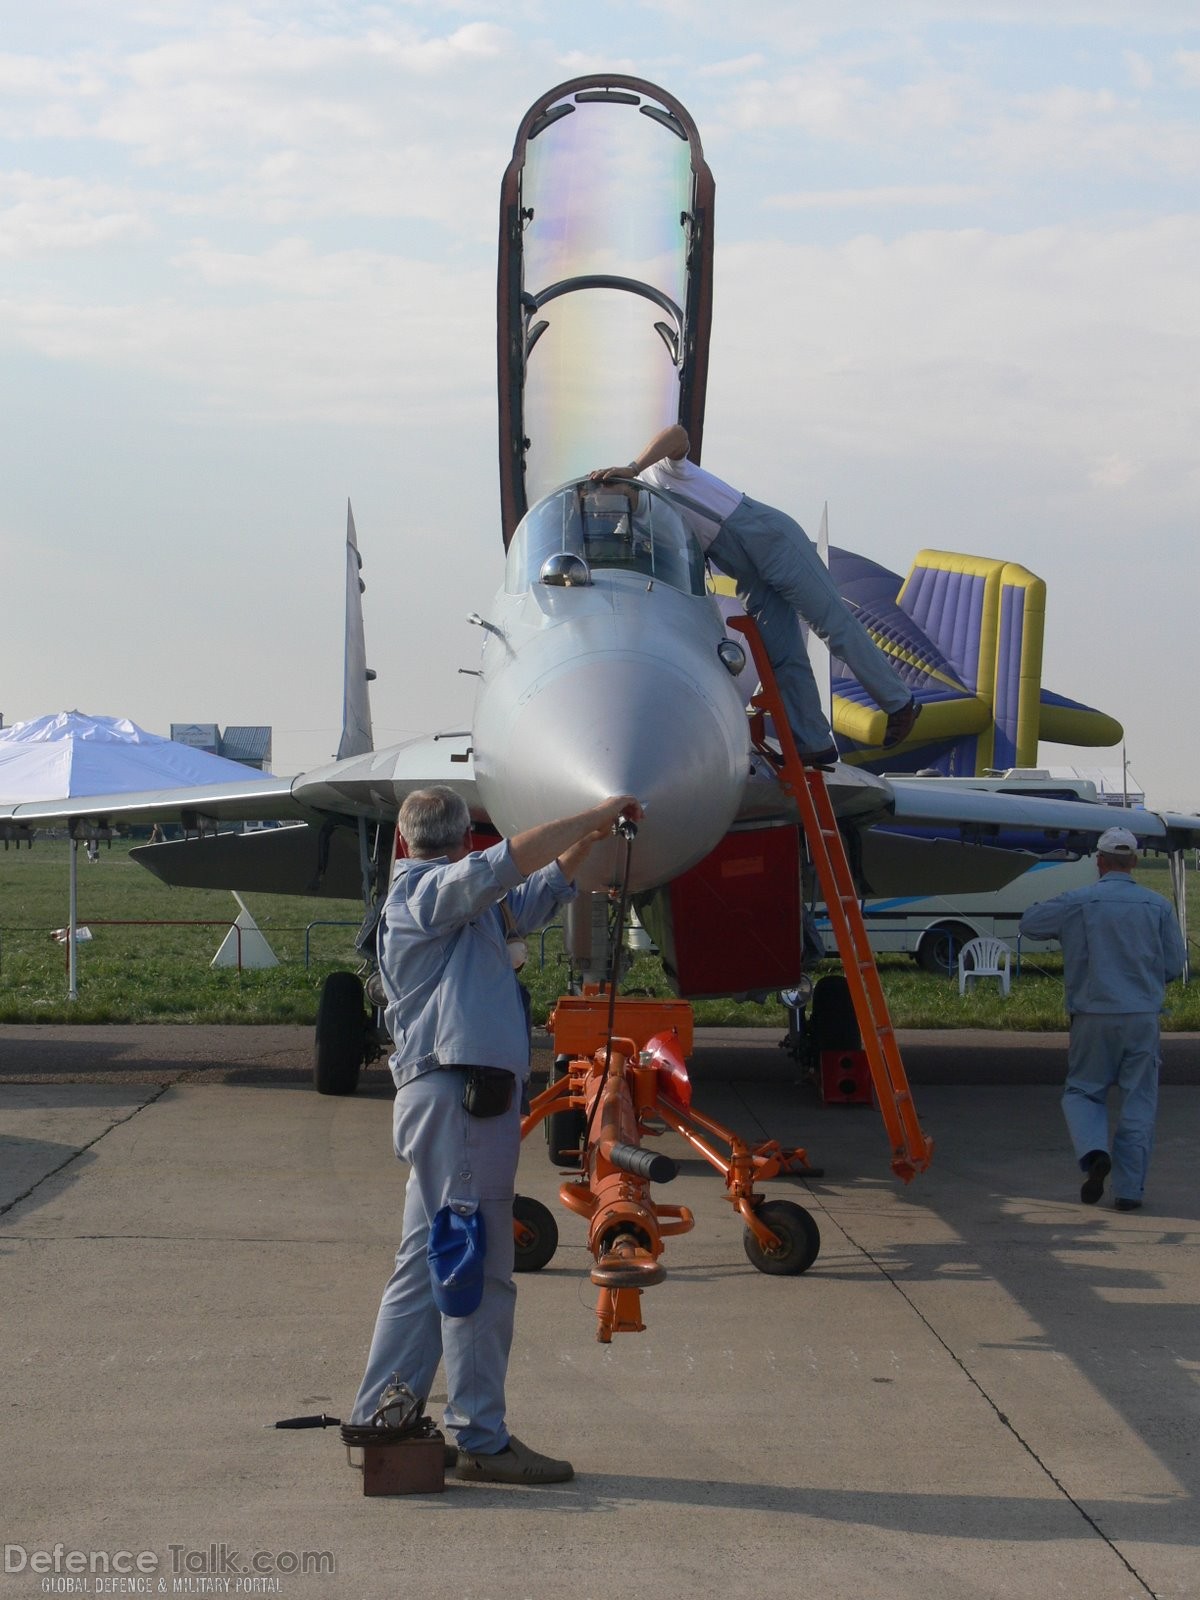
(827, 851)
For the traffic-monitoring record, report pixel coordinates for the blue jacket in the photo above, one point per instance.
(1121, 944)
(453, 998)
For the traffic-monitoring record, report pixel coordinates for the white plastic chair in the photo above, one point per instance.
(984, 958)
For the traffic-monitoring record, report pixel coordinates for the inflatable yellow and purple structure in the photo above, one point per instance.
(965, 633)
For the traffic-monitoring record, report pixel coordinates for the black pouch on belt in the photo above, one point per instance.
(488, 1091)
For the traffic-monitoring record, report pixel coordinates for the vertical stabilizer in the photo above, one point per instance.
(818, 650)
(356, 737)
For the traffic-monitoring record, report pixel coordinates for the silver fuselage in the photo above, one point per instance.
(612, 688)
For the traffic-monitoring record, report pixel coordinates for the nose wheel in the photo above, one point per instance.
(340, 1040)
(535, 1234)
(798, 1235)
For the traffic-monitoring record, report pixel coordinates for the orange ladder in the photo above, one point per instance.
(912, 1149)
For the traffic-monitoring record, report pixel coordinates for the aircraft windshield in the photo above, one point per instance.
(627, 527)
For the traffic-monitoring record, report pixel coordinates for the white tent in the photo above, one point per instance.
(68, 755)
(59, 757)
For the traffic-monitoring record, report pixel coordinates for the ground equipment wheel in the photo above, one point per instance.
(535, 1234)
(340, 1042)
(939, 946)
(799, 1239)
(564, 1129)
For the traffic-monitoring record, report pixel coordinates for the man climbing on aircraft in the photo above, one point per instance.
(778, 573)
(460, 1063)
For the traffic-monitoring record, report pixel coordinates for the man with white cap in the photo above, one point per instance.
(1121, 946)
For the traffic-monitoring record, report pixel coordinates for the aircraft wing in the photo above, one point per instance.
(944, 809)
(912, 831)
(934, 836)
(373, 785)
(192, 807)
(318, 857)
(934, 809)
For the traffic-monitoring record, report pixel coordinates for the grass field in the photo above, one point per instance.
(134, 972)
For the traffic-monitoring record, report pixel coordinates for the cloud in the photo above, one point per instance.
(212, 99)
(42, 217)
(732, 68)
(906, 195)
(1025, 347)
(1093, 131)
(1113, 472)
(1141, 71)
(289, 335)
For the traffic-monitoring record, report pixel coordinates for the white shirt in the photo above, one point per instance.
(712, 498)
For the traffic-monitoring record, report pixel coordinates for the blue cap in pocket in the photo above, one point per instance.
(457, 1245)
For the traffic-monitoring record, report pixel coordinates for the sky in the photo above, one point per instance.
(247, 271)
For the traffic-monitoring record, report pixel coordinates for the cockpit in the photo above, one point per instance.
(585, 527)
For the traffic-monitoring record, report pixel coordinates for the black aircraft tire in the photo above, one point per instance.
(536, 1221)
(938, 950)
(799, 1236)
(340, 1041)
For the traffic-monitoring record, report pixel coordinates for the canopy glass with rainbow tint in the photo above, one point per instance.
(604, 283)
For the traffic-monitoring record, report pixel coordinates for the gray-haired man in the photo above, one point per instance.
(461, 1058)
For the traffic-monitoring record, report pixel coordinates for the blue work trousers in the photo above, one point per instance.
(779, 572)
(452, 1156)
(1110, 1050)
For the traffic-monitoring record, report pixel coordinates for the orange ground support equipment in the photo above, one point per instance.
(635, 1084)
(844, 1078)
(912, 1149)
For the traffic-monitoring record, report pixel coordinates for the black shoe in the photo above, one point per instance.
(517, 1463)
(1097, 1164)
(1127, 1205)
(825, 759)
(900, 724)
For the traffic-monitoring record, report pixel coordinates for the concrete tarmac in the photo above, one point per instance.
(980, 1389)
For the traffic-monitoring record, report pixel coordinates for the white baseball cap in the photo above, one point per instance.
(1117, 842)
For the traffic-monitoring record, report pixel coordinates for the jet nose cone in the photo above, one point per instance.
(587, 732)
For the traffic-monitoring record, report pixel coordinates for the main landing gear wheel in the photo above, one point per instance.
(799, 1239)
(535, 1234)
(340, 1042)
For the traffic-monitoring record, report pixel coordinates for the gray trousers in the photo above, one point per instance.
(779, 572)
(1114, 1050)
(452, 1156)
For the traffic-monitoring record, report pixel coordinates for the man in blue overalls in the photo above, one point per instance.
(1121, 946)
(460, 1063)
(779, 573)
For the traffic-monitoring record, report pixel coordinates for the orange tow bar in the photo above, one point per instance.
(636, 1085)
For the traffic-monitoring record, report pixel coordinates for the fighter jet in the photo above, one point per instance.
(606, 664)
